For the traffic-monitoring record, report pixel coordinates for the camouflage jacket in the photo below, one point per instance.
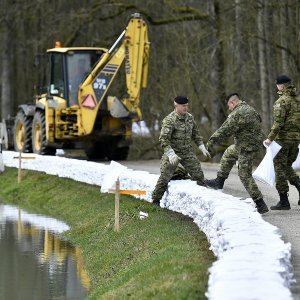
(244, 124)
(286, 113)
(178, 132)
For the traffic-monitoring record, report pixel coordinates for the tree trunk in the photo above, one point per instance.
(239, 51)
(217, 70)
(283, 41)
(6, 102)
(270, 62)
(217, 67)
(262, 67)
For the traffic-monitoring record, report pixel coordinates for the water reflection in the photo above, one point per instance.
(34, 262)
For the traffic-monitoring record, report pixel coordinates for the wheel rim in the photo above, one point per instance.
(37, 137)
(20, 135)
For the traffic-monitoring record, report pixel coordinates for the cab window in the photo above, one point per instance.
(79, 65)
(57, 82)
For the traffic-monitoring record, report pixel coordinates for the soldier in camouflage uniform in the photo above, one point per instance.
(244, 124)
(286, 132)
(177, 133)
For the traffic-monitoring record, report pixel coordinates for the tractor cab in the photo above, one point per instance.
(68, 68)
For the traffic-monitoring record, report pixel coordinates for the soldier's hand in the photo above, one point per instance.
(204, 151)
(267, 142)
(209, 146)
(174, 159)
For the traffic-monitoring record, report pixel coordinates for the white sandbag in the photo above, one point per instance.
(296, 163)
(2, 168)
(265, 171)
(110, 178)
(1, 158)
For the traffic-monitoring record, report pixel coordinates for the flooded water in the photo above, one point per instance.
(35, 264)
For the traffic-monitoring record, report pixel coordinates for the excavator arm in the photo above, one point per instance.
(132, 46)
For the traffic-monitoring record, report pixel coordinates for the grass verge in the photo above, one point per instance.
(164, 256)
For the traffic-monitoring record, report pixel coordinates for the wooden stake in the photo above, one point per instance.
(117, 206)
(19, 170)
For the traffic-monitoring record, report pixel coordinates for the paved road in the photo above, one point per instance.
(287, 221)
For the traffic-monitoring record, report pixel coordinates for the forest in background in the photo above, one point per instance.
(203, 49)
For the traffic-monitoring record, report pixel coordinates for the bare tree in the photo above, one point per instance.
(6, 101)
(270, 61)
(263, 79)
(217, 65)
(283, 39)
(239, 51)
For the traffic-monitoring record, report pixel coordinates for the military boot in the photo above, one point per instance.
(283, 203)
(261, 206)
(217, 183)
(156, 202)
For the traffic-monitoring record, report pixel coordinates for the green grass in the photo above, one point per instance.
(164, 256)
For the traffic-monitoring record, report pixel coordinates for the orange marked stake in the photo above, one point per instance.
(117, 193)
(128, 192)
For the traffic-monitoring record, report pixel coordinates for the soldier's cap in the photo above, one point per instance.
(181, 100)
(282, 79)
(231, 95)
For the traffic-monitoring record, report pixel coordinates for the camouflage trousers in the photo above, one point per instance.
(190, 163)
(245, 160)
(245, 163)
(283, 166)
(228, 160)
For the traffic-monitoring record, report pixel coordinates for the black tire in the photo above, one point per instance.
(94, 150)
(39, 140)
(119, 153)
(22, 133)
(107, 149)
(114, 152)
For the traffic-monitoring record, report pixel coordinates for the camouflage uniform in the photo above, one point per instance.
(244, 124)
(286, 132)
(177, 133)
(228, 160)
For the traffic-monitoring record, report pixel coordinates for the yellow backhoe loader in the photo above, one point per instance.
(77, 111)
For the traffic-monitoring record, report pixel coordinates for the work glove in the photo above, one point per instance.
(174, 159)
(209, 147)
(204, 151)
(267, 142)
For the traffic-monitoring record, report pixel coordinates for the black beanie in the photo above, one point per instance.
(283, 79)
(181, 100)
(231, 95)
